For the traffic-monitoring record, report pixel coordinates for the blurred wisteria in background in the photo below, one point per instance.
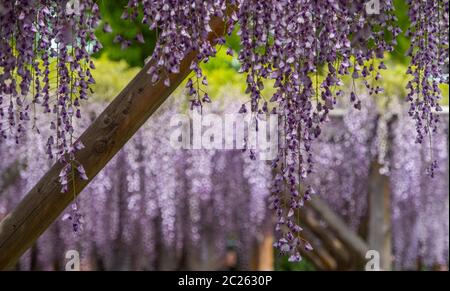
(157, 208)
(152, 208)
(420, 204)
(344, 154)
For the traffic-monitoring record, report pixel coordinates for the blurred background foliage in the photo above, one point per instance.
(111, 77)
(134, 55)
(282, 264)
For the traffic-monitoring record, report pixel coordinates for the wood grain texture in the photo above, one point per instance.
(102, 140)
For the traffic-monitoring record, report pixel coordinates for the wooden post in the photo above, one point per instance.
(379, 236)
(263, 256)
(102, 140)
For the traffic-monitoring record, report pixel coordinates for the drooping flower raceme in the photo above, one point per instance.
(45, 68)
(429, 59)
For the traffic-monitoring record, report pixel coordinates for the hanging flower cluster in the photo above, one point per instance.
(45, 67)
(293, 43)
(429, 59)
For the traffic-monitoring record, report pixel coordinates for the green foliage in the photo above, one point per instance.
(111, 77)
(111, 12)
(282, 264)
(445, 93)
(234, 41)
(222, 70)
(394, 81)
(403, 43)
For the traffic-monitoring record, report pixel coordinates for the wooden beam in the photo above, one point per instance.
(349, 238)
(335, 247)
(102, 140)
(326, 261)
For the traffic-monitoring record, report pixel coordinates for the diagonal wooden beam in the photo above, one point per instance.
(102, 140)
(342, 232)
(311, 220)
